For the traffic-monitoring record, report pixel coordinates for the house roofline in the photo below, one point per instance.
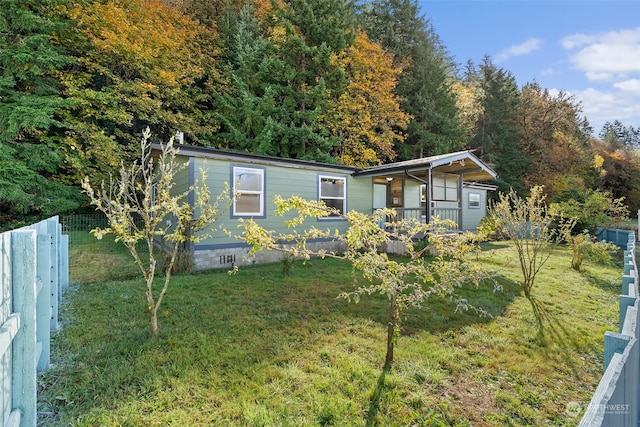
(403, 167)
(417, 165)
(239, 156)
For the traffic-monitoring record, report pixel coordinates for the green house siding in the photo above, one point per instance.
(292, 177)
(279, 180)
(472, 215)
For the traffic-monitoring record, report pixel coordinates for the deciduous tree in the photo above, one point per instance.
(620, 172)
(138, 63)
(532, 228)
(591, 209)
(142, 206)
(367, 116)
(555, 139)
(408, 282)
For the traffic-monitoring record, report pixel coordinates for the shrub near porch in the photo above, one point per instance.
(261, 348)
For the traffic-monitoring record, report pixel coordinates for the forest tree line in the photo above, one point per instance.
(340, 81)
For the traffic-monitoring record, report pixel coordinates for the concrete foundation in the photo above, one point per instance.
(210, 258)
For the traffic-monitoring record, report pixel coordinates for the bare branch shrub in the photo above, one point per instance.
(142, 206)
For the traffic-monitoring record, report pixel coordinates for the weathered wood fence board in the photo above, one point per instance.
(616, 401)
(34, 270)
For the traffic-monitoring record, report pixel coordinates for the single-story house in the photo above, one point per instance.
(453, 186)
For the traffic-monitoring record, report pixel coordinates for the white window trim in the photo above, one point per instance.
(343, 198)
(447, 179)
(472, 203)
(237, 193)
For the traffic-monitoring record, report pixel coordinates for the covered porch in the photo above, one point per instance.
(451, 186)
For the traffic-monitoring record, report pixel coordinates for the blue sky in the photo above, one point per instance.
(588, 48)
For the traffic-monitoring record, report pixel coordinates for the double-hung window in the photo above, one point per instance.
(332, 190)
(248, 188)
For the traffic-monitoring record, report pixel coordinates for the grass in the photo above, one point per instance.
(261, 349)
(92, 260)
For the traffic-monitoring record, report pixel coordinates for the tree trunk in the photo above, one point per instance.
(154, 322)
(392, 331)
(388, 360)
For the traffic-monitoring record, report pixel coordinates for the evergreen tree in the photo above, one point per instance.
(618, 136)
(425, 84)
(30, 101)
(281, 77)
(497, 132)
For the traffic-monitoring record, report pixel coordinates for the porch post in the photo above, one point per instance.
(460, 201)
(428, 197)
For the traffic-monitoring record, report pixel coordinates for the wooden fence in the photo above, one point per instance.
(616, 402)
(34, 270)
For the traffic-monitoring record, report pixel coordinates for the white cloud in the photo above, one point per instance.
(601, 106)
(524, 48)
(548, 72)
(572, 41)
(606, 56)
(630, 86)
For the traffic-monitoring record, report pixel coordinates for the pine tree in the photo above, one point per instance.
(425, 84)
(30, 101)
(497, 131)
(281, 78)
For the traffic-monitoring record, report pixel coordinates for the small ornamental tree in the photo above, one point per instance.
(594, 210)
(531, 228)
(143, 206)
(583, 246)
(408, 282)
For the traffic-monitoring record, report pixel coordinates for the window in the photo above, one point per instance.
(248, 185)
(445, 187)
(333, 192)
(474, 200)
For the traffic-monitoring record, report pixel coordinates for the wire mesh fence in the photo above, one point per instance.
(78, 227)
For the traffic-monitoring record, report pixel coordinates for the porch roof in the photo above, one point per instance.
(461, 163)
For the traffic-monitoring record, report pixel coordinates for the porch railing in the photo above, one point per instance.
(419, 214)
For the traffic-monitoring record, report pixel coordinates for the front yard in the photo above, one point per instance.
(261, 349)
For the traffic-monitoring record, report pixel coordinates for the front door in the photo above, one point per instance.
(379, 196)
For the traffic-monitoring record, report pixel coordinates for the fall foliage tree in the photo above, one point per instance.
(138, 64)
(554, 137)
(621, 172)
(367, 116)
(469, 104)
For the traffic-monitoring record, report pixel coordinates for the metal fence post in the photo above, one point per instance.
(63, 258)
